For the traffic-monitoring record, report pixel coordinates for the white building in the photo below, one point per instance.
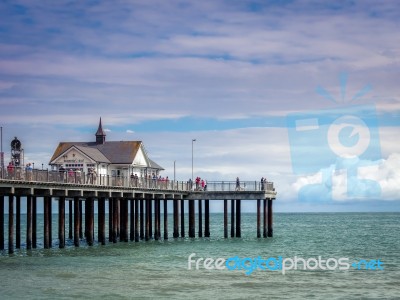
(106, 158)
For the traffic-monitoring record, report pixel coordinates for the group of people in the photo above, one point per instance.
(75, 176)
(263, 183)
(200, 184)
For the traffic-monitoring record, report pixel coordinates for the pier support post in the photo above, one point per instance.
(165, 219)
(270, 230)
(34, 217)
(150, 218)
(142, 219)
(110, 219)
(137, 220)
(232, 218)
(10, 223)
(115, 220)
(265, 218)
(77, 221)
(182, 218)
(46, 208)
(124, 219)
(51, 221)
(159, 218)
(1, 222)
(258, 219)
(29, 222)
(102, 220)
(18, 222)
(132, 220)
(176, 218)
(238, 219)
(156, 219)
(70, 220)
(200, 217)
(207, 218)
(192, 229)
(61, 222)
(90, 229)
(80, 219)
(225, 218)
(147, 220)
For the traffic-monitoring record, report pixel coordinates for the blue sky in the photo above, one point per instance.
(228, 73)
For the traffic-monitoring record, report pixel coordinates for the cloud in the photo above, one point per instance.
(129, 131)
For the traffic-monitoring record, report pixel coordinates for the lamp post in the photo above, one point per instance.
(193, 140)
(174, 170)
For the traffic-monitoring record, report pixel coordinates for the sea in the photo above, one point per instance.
(219, 268)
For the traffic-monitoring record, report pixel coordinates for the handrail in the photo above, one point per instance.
(83, 178)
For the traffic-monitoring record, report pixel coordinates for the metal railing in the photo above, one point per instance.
(82, 178)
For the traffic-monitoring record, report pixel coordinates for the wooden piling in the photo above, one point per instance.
(61, 222)
(258, 219)
(238, 219)
(110, 219)
(264, 218)
(11, 224)
(147, 220)
(34, 218)
(70, 222)
(46, 234)
(232, 218)
(270, 229)
(18, 222)
(118, 216)
(125, 212)
(141, 219)
(200, 213)
(225, 218)
(80, 219)
(159, 218)
(122, 228)
(176, 218)
(90, 237)
(151, 218)
(29, 222)
(156, 220)
(192, 229)
(77, 220)
(182, 218)
(51, 221)
(207, 218)
(115, 221)
(132, 220)
(102, 220)
(137, 236)
(165, 219)
(1, 222)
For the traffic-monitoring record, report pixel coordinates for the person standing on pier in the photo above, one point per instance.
(237, 184)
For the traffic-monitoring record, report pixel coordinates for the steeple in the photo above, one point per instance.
(100, 135)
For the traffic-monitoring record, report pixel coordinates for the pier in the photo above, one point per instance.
(134, 208)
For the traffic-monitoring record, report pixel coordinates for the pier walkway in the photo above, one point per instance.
(134, 207)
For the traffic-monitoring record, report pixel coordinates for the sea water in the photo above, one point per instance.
(159, 269)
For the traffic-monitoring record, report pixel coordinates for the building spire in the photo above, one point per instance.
(100, 135)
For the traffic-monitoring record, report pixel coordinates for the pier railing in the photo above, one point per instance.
(82, 178)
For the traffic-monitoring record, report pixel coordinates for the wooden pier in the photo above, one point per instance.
(134, 213)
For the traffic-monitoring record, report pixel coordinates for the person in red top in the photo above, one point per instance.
(10, 170)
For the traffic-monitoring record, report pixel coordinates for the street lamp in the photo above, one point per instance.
(174, 170)
(193, 140)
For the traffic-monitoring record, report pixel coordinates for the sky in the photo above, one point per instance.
(243, 78)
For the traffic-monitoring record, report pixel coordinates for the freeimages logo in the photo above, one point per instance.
(339, 145)
(281, 264)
